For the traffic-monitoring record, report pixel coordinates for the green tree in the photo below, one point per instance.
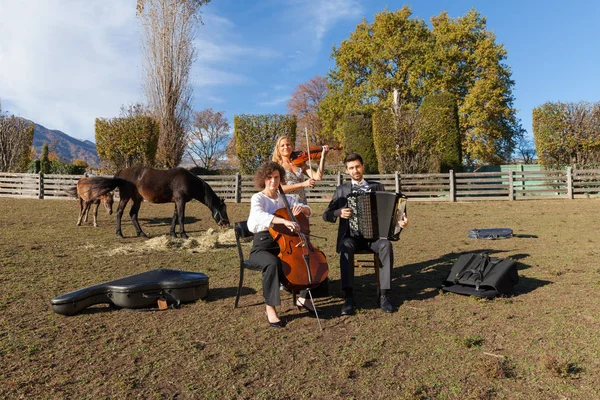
(357, 128)
(45, 160)
(438, 132)
(128, 140)
(459, 56)
(255, 137)
(567, 134)
(468, 63)
(396, 142)
(377, 58)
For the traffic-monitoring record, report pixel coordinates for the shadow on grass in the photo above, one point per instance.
(420, 281)
(167, 221)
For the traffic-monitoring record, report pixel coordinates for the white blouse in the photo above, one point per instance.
(262, 209)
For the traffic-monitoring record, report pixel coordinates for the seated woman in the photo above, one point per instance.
(294, 175)
(265, 250)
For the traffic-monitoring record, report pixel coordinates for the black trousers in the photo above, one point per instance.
(382, 247)
(265, 253)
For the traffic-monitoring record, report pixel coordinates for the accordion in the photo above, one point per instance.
(376, 214)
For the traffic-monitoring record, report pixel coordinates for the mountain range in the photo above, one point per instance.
(65, 146)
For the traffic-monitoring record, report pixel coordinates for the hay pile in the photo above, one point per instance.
(211, 239)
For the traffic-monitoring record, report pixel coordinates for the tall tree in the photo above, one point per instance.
(169, 28)
(377, 58)
(208, 137)
(459, 56)
(16, 137)
(469, 63)
(304, 104)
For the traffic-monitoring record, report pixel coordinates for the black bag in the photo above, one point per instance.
(482, 276)
(490, 233)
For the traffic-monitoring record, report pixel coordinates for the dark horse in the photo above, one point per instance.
(176, 185)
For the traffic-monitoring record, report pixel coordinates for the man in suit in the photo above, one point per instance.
(347, 246)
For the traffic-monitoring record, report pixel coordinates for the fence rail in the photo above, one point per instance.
(451, 186)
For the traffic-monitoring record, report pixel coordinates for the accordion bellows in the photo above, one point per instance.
(375, 214)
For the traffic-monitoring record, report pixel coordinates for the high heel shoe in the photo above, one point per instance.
(279, 324)
(312, 311)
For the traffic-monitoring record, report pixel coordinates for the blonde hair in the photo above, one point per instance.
(276, 155)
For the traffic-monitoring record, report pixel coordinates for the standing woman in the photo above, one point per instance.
(295, 175)
(265, 251)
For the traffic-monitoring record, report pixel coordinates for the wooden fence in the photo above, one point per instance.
(463, 186)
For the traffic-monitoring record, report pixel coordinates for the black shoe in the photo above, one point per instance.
(385, 305)
(348, 307)
(278, 324)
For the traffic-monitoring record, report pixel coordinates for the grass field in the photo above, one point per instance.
(542, 343)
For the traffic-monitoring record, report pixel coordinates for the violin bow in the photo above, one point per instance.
(308, 150)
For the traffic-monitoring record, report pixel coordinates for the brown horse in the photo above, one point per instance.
(89, 196)
(176, 185)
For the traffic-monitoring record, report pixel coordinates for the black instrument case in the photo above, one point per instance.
(137, 291)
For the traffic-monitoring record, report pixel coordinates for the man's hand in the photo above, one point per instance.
(403, 222)
(345, 212)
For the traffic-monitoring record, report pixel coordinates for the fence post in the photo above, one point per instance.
(511, 185)
(41, 185)
(397, 179)
(570, 183)
(339, 178)
(238, 188)
(452, 177)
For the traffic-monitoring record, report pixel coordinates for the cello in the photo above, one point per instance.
(303, 265)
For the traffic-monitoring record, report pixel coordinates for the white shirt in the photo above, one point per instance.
(262, 209)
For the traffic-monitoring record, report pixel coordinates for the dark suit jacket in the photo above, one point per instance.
(340, 200)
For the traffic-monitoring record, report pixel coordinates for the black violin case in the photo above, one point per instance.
(143, 290)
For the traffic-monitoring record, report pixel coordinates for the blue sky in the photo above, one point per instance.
(65, 62)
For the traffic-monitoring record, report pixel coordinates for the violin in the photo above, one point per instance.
(303, 265)
(300, 157)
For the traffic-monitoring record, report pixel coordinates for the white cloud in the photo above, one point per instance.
(64, 63)
(274, 102)
(317, 17)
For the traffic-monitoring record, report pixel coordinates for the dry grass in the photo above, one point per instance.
(541, 343)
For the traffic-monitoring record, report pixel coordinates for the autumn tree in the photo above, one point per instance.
(128, 140)
(458, 56)
(169, 27)
(567, 134)
(304, 104)
(16, 137)
(208, 138)
(470, 64)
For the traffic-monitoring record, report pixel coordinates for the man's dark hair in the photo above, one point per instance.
(266, 169)
(353, 157)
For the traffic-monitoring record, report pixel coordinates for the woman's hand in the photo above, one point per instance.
(326, 149)
(292, 226)
(297, 210)
(309, 183)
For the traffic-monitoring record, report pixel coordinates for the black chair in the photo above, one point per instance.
(241, 232)
(374, 263)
